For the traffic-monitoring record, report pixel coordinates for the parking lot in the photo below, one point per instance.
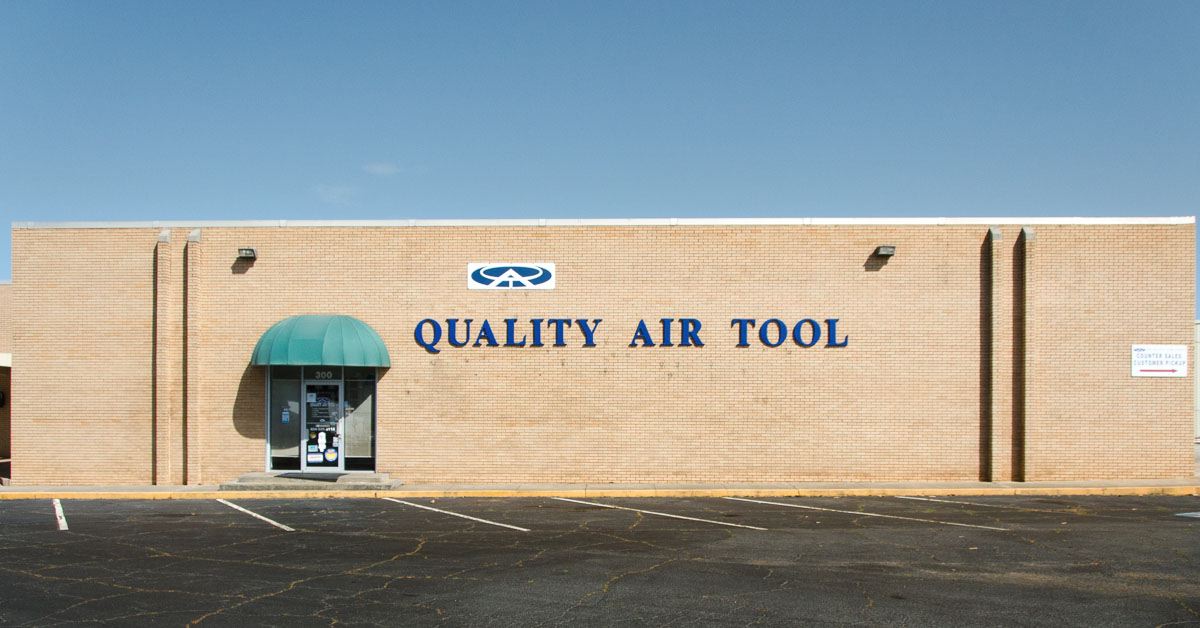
(605, 561)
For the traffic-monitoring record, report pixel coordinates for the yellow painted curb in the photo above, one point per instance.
(602, 492)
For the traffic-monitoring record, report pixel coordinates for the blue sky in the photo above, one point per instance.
(218, 110)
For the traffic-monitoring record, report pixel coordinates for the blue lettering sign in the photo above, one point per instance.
(510, 333)
(743, 324)
(589, 334)
(666, 337)
(773, 332)
(831, 328)
(485, 331)
(537, 332)
(430, 345)
(689, 331)
(642, 334)
(780, 336)
(451, 337)
(798, 333)
(559, 323)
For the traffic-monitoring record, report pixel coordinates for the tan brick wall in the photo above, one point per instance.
(1000, 392)
(6, 317)
(168, 360)
(1094, 294)
(82, 355)
(902, 401)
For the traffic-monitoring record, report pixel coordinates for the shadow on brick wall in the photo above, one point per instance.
(875, 263)
(249, 407)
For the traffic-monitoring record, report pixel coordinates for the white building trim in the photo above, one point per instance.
(619, 222)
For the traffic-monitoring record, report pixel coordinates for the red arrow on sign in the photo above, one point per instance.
(1158, 370)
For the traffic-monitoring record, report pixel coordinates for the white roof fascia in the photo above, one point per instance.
(618, 222)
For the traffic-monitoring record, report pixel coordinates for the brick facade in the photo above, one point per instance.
(974, 353)
(6, 317)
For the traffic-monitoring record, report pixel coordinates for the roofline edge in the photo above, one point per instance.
(615, 222)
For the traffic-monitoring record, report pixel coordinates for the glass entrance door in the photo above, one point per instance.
(323, 427)
(305, 402)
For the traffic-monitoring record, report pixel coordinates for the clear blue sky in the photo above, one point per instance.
(217, 110)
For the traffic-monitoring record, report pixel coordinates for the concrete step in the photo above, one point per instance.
(296, 481)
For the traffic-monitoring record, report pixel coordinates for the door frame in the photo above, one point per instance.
(341, 424)
(304, 378)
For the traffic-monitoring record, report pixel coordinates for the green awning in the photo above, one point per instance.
(321, 340)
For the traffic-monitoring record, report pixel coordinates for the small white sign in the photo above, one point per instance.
(510, 276)
(1158, 361)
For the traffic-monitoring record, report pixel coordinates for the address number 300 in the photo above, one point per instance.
(322, 375)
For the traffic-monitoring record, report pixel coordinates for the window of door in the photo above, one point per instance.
(323, 426)
(321, 418)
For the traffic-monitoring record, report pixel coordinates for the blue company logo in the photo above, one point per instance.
(502, 276)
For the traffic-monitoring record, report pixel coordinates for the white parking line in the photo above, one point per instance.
(954, 501)
(868, 514)
(257, 516)
(58, 514)
(1194, 515)
(660, 514)
(455, 514)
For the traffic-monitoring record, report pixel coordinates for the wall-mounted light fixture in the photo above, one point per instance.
(247, 253)
(885, 250)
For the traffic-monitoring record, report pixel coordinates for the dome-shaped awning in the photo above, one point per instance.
(321, 340)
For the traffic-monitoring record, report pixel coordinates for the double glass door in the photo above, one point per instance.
(321, 418)
(324, 427)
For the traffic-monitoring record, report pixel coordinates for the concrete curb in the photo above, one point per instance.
(1193, 489)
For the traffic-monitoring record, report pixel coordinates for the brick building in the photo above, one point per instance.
(600, 351)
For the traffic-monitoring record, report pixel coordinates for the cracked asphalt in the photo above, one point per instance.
(1054, 561)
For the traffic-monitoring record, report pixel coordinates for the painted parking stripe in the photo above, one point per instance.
(1194, 515)
(1052, 511)
(962, 503)
(455, 514)
(257, 516)
(868, 514)
(660, 514)
(982, 505)
(60, 515)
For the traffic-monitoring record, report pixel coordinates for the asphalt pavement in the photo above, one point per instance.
(607, 561)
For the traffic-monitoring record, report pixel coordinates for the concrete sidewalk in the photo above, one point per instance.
(1184, 486)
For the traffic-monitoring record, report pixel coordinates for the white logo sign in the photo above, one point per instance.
(1158, 361)
(510, 276)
